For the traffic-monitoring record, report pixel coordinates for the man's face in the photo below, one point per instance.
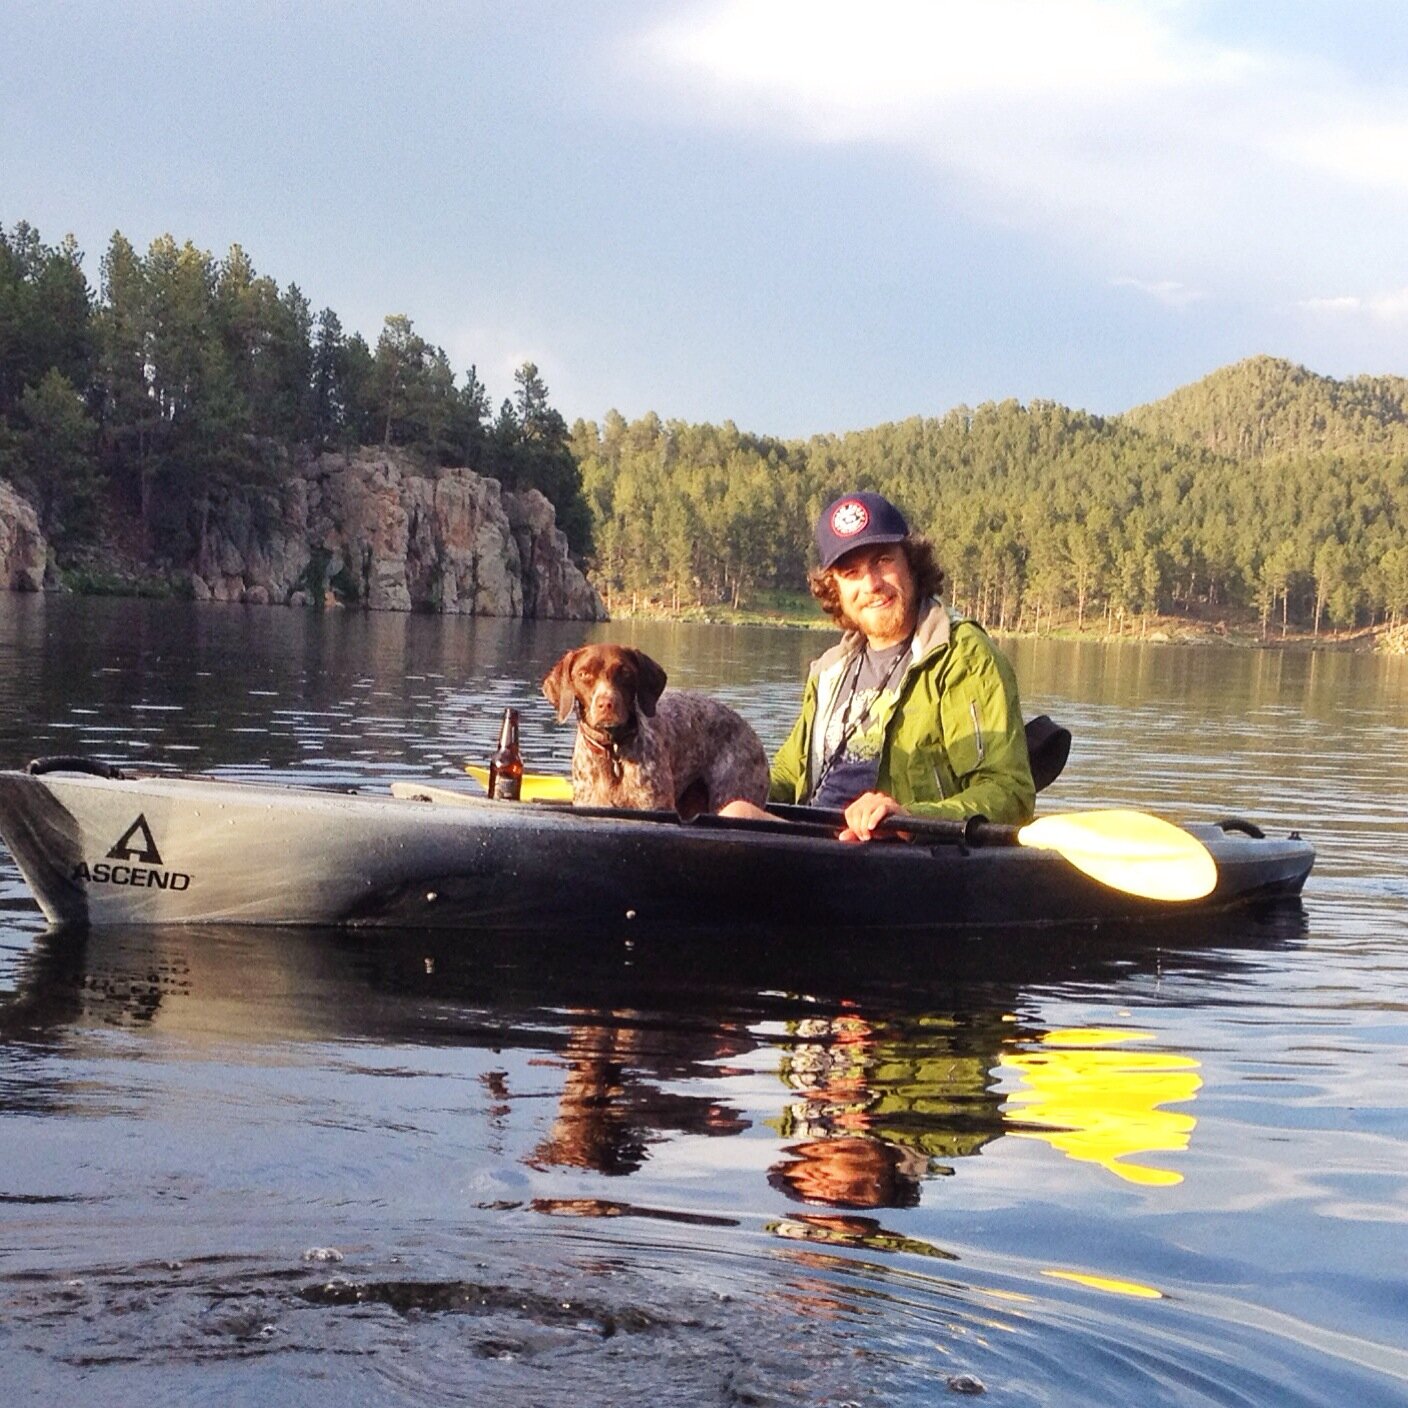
(849, 1172)
(877, 592)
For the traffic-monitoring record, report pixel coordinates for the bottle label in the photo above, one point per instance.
(507, 789)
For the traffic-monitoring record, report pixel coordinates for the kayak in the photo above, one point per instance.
(108, 850)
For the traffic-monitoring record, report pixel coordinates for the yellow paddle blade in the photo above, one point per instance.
(1130, 851)
(537, 786)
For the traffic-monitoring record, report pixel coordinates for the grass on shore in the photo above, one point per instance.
(90, 580)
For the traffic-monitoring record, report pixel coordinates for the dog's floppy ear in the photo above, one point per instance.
(558, 686)
(650, 682)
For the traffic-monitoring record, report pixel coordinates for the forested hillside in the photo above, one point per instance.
(1262, 488)
(1043, 512)
(182, 373)
(1265, 407)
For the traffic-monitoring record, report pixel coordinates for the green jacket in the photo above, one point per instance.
(954, 740)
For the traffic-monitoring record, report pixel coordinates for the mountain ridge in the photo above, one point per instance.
(1265, 406)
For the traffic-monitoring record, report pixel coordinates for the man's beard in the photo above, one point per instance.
(888, 622)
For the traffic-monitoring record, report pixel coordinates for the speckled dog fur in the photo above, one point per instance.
(670, 747)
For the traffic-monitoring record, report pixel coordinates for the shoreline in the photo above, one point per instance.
(1162, 630)
(1158, 630)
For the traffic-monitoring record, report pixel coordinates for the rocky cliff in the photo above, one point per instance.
(23, 551)
(375, 530)
(370, 528)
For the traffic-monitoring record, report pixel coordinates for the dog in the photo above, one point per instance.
(635, 750)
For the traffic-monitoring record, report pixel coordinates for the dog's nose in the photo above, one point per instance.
(607, 705)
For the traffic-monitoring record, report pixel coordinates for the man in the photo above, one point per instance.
(915, 711)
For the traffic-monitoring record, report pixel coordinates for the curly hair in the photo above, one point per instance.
(919, 553)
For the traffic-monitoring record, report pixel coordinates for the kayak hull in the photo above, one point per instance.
(104, 852)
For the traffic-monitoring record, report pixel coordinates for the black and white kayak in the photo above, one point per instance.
(100, 848)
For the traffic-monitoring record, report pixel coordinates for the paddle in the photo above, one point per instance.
(537, 786)
(1126, 850)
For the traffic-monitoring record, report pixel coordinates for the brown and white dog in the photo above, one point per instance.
(684, 752)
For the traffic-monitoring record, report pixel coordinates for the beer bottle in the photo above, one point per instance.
(506, 766)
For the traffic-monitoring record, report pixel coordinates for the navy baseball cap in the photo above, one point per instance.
(857, 520)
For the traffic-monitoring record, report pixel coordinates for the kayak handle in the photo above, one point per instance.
(64, 762)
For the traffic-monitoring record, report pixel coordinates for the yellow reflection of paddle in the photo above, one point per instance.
(1111, 1284)
(537, 786)
(1100, 1105)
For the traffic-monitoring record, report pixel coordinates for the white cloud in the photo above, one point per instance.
(1344, 304)
(1169, 292)
(1117, 129)
(1390, 307)
(581, 381)
(887, 66)
(1387, 307)
(496, 352)
(1366, 152)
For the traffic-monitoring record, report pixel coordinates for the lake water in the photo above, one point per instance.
(283, 1167)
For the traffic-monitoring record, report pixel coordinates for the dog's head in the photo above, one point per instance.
(609, 682)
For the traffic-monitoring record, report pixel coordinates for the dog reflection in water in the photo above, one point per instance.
(609, 1113)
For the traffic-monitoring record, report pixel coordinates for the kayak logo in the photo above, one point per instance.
(125, 850)
(143, 867)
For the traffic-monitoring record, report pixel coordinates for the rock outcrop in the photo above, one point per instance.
(372, 528)
(23, 552)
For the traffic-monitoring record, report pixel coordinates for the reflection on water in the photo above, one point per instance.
(862, 1233)
(1130, 1165)
(883, 1103)
(1101, 1105)
(1110, 1284)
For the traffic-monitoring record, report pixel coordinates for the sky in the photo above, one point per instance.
(803, 216)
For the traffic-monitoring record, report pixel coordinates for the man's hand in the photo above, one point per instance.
(867, 812)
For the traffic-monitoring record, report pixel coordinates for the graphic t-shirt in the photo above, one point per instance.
(854, 734)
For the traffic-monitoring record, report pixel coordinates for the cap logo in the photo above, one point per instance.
(849, 518)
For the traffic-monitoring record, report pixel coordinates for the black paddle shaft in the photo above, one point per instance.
(784, 819)
(971, 831)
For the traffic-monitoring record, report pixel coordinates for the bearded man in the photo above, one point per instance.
(915, 711)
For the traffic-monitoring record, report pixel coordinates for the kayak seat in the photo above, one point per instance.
(64, 762)
(1049, 745)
